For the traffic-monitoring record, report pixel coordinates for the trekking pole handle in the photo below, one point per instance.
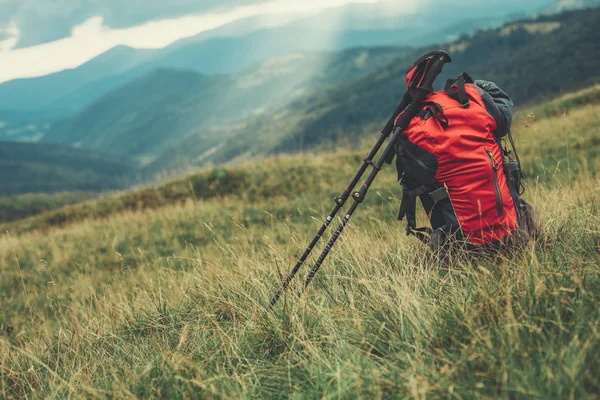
(424, 89)
(436, 68)
(440, 58)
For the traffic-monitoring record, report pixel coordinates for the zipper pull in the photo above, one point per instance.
(491, 156)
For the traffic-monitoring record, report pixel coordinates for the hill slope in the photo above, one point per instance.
(32, 168)
(173, 301)
(167, 105)
(513, 56)
(286, 176)
(42, 93)
(24, 126)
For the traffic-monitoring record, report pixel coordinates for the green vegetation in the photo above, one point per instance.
(564, 104)
(18, 207)
(265, 181)
(34, 168)
(168, 299)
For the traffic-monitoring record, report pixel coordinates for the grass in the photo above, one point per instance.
(169, 300)
(26, 205)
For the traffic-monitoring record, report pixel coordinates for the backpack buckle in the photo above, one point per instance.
(439, 194)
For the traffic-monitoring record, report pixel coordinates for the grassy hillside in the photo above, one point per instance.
(263, 181)
(26, 205)
(170, 301)
(33, 168)
(513, 56)
(562, 105)
(141, 118)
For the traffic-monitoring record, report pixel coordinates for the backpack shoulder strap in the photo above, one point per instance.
(436, 111)
(455, 88)
(408, 208)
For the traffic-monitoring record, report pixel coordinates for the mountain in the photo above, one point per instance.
(166, 105)
(170, 119)
(135, 118)
(42, 93)
(530, 59)
(24, 126)
(31, 168)
(29, 107)
(232, 48)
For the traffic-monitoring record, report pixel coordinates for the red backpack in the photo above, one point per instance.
(450, 158)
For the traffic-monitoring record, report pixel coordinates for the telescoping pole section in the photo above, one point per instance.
(358, 198)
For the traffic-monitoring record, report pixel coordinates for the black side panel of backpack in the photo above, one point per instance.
(512, 172)
(416, 169)
(415, 163)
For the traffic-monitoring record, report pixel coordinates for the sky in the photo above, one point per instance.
(38, 37)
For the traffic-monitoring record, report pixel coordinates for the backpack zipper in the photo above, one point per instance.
(495, 167)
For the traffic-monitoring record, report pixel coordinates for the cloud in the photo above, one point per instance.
(43, 21)
(93, 36)
(7, 10)
(140, 11)
(8, 37)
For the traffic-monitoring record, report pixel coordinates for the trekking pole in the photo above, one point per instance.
(413, 108)
(340, 201)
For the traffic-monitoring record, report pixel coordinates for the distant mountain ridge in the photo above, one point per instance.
(36, 94)
(171, 119)
(231, 48)
(236, 46)
(530, 59)
(168, 105)
(219, 119)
